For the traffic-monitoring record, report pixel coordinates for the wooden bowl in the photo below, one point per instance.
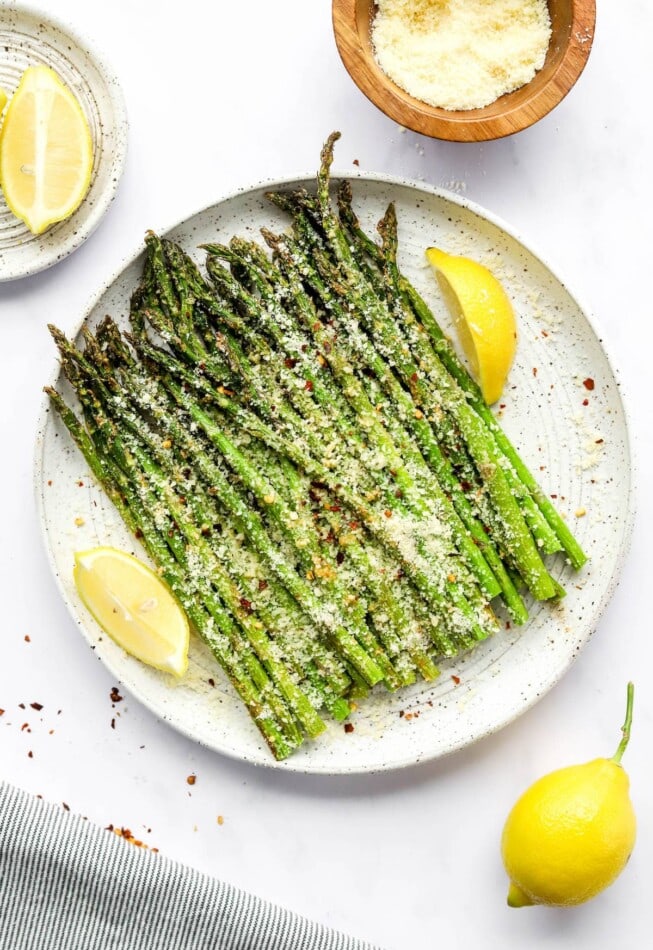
(571, 41)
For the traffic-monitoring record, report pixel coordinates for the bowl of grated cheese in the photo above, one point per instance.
(465, 70)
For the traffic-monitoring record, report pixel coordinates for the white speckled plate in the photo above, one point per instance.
(29, 37)
(574, 437)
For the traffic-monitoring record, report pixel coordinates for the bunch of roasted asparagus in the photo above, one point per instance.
(315, 474)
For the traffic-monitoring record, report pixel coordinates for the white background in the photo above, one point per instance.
(220, 95)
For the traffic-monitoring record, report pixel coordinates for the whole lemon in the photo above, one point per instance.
(571, 833)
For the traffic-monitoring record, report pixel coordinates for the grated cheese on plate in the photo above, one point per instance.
(461, 54)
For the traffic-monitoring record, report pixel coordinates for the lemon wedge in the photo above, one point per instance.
(134, 607)
(3, 99)
(483, 315)
(46, 152)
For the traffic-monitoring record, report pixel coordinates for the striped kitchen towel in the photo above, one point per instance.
(66, 884)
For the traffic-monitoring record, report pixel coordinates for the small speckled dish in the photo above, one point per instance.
(30, 37)
(563, 410)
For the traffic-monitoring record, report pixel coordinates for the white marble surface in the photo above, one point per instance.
(219, 96)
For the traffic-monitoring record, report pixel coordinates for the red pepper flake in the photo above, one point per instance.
(289, 362)
(586, 402)
(598, 441)
(387, 513)
(502, 405)
(414, 377)
(456, 679)
(354, 525)
(37, 706)
(21, 705)
(554, 496)
(588, 383)
(2, 712)
(262, 585)
(25, 726)
(128, 836)
(349, 727)
(30, 754)
(49, 482)
(80, 484)
(356, 162)
(544, 333)
(27, 638)
(191, 779)
(535, 371)
(309, 385)
(246, 605)
(115, 696)
(401, 714)
(327, 347)
(465, 485)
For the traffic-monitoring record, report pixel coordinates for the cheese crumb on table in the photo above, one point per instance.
(461, 54)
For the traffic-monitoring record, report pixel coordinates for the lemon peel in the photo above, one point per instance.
(133, 605)
(46, 150)
(483, 315)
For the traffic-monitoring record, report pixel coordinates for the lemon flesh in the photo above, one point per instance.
(569, 836)
(46, 152)
(483, 316)
(134, 607)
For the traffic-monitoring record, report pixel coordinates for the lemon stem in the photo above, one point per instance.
(625, 729)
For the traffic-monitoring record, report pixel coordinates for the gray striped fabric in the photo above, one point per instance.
(66, 884)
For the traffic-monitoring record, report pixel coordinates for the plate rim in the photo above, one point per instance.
(294, 765)
(119, 155)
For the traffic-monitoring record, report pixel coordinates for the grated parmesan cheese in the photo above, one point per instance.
(461, 54)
